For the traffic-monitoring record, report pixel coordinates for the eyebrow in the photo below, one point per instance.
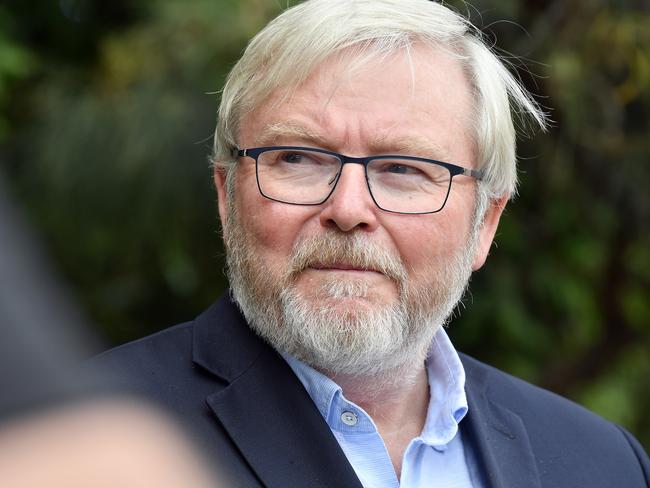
(273, 133)
(382, 144)
(409, 145)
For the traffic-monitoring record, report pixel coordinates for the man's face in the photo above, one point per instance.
(321, 266)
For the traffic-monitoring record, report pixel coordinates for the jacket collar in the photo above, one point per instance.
(223, 342)
(264, 408)
(497, 434)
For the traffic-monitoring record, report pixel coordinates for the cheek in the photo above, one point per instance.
(426, 240)
(273, 227)
(269, 228)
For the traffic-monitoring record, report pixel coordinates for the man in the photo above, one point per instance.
(364, 153)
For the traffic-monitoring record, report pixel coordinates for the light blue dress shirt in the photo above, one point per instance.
(436, 458)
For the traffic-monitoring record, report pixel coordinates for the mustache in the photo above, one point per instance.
(335, 248)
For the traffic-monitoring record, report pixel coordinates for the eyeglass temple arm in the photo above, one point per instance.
(474, 173)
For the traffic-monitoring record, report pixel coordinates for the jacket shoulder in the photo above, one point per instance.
(564, 436)
(527, 400)
(151, 352)
(159, 368)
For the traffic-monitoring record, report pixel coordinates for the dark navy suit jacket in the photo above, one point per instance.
(253, 416)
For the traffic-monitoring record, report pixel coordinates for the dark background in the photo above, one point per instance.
(106, 116)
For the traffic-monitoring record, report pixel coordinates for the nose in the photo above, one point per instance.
(350, 207)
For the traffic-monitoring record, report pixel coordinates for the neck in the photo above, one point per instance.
(398, 405)
(385, 388)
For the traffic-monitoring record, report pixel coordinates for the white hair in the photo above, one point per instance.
(290, 47)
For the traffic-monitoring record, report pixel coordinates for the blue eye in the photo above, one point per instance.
(398, 169)
(293, 158)
(401, 169)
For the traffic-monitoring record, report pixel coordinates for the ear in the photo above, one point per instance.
(219, 177)
(487, 231)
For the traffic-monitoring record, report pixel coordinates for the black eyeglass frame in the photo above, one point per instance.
(454, 170)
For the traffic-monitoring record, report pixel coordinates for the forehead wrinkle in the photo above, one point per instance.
(279, 132)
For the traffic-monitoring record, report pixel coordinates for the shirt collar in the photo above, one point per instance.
(320, 388)
(447, 401)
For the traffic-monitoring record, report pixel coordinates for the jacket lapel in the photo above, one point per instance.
(497, 434)
(264, 408)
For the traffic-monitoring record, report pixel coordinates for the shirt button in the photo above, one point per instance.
(349, 418)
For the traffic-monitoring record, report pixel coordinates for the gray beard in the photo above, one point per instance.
(385, 341)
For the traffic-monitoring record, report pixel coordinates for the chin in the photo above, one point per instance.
(349, 306)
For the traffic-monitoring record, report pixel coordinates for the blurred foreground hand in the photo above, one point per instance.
(97, 444)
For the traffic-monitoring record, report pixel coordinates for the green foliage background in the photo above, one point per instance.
(106, 113)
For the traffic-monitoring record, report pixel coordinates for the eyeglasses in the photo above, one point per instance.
(308, 176)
